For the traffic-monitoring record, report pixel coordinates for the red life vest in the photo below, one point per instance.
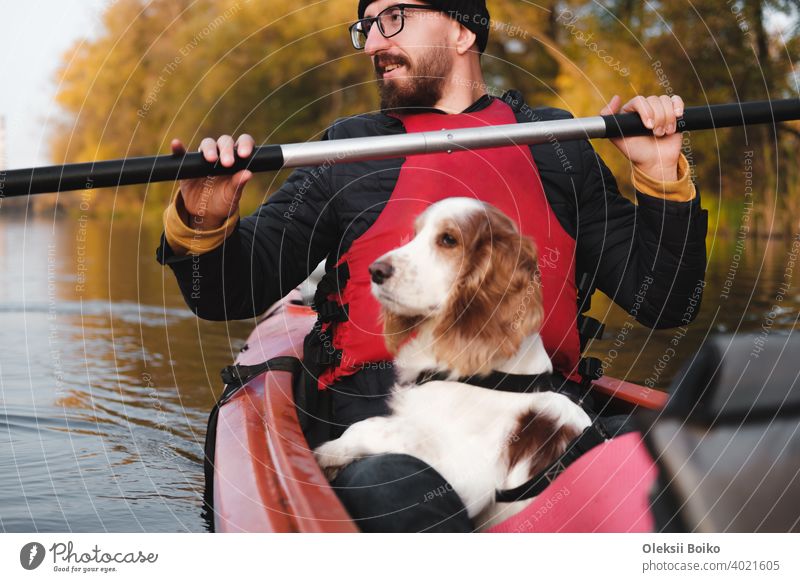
(504, 177)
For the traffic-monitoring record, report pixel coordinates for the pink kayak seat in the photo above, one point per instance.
(606, 490)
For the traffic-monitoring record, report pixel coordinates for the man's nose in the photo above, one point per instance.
(376, 41)
(380, 271)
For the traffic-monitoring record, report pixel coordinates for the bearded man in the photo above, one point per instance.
(649, 258)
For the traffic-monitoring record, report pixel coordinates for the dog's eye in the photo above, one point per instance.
(447, 240)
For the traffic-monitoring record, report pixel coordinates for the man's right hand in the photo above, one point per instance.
(211, 200)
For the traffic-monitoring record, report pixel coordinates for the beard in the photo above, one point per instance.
(424, 85)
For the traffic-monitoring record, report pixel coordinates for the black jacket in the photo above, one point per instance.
(622, 248)
(650, 258)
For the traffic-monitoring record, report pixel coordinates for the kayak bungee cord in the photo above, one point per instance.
(169, 168)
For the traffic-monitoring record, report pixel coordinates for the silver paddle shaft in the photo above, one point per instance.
(431, 142)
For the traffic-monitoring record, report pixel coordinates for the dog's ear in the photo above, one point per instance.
(397, 329)
(497, 300)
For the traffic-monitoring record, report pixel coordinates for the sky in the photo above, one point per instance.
(33, 36)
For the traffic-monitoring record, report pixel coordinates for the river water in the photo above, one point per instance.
(106, 379)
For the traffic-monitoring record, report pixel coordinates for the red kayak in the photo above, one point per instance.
(265, 478)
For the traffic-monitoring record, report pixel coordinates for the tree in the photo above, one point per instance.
(284, 71)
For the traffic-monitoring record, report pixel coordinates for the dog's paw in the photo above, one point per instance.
(332, 459)
(332, 472)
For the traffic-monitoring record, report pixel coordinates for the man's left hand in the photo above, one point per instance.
(656, 155)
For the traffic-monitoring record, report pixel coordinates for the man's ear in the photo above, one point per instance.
(466, 39)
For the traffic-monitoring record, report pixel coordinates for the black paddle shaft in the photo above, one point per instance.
(169, 168)
(125, 172)
(711, 117)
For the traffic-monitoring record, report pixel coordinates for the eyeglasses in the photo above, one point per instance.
(390, 22)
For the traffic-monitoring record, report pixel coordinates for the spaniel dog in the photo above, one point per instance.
(463, 299)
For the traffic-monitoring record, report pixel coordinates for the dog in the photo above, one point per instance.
(462, 299)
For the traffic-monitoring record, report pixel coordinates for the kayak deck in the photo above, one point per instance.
(265, 477)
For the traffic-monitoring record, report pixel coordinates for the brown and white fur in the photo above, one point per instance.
(463, 297)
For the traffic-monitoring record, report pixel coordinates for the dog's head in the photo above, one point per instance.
(468, 273)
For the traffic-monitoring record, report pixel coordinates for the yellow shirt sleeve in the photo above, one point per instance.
(183, 239)
(680, 190)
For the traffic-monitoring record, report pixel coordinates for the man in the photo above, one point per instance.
(649, 258)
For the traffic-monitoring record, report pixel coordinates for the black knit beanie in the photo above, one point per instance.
(472, 14)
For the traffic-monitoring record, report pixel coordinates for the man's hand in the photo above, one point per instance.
(210, 201)
(656, 156)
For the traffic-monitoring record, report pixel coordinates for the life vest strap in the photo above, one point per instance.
(590, 368)
(331, 311)
(235, 377)
(589, 329)
(318, 350)
(505, 382)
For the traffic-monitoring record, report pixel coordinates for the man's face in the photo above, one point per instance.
(412, 66)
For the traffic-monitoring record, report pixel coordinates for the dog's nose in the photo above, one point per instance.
(380, 271)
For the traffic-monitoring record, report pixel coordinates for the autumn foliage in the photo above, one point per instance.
(283, 71)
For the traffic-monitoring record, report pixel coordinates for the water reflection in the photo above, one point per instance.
(745, 292)
(107, 380)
